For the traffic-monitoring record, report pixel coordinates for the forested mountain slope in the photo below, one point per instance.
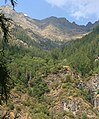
(53, 84)
(50, 80)
(83, 54)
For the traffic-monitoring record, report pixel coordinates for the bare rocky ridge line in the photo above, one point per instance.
(53, 28)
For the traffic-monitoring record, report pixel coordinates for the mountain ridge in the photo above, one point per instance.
(53, 28)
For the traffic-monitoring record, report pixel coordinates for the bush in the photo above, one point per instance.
(38, 88)
(84, 116)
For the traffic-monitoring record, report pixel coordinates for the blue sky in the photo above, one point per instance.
(80, 11)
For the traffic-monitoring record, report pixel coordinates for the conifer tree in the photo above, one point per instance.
(4, 73)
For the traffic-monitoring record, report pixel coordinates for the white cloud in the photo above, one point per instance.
(58, 3)
(78, 8)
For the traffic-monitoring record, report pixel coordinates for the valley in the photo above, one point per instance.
(53, 66)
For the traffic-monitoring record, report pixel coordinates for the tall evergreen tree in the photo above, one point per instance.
(4, 73)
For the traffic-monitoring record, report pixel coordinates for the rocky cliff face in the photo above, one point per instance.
(93, 86)
(67, 95)
(65, 100)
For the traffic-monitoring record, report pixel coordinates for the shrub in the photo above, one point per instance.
(38, 88)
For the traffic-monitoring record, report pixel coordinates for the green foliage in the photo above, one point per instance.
(4, 80)
(40, 116)
(97, 91)
(4, 72)
(84, 93)
(96, 29)
(68, 78)
(38, 88)
(4, 25)
(10, 105)
(84, 116)
(81, 54)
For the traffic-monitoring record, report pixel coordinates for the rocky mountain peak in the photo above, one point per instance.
(89, 25)
(7, 9)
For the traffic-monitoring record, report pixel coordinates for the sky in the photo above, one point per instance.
(79, 11)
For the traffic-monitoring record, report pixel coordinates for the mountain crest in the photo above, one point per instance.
(53, 28)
